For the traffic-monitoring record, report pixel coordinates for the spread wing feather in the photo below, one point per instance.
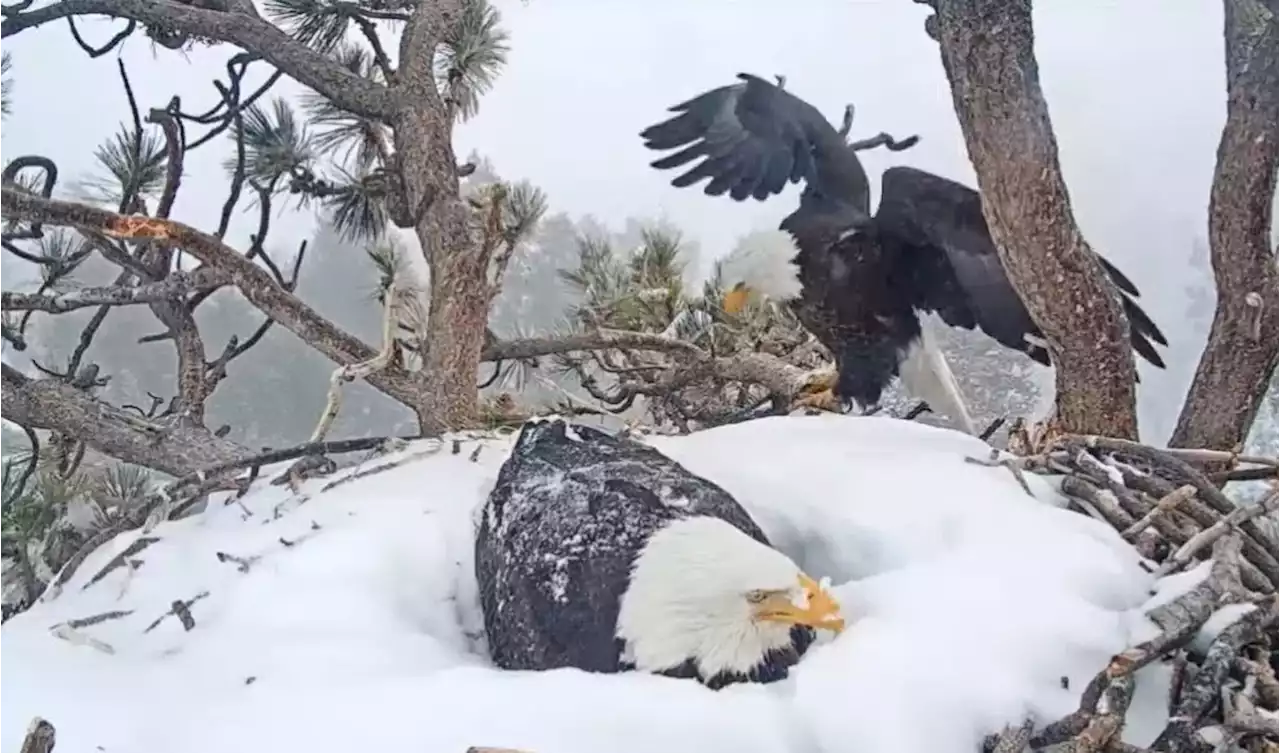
(753, 139)
(945, 247)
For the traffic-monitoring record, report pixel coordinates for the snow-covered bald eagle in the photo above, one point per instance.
(601, 553)
(859, 282)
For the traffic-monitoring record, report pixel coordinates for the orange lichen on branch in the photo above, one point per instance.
(137, 227)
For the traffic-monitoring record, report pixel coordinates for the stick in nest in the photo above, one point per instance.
(1205, 538)
(1097, 720)
(354, 371)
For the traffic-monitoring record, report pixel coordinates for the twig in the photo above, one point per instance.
(352, 372)
(365, 473)
(208, 479)
(182, 610)
(75, 637)
(118, 561)
(243, 564)
(1166, 504)
(1211, 534)
(82, 622)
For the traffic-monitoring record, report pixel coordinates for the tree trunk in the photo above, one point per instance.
(459, 306)
(987, 51)
(54, 405)
(1236, 365)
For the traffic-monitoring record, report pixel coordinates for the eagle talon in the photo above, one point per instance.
(824, 400)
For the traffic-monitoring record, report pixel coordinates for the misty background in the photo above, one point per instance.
(1136, 92)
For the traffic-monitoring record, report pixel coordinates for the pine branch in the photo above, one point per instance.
(256, 284)
(510, 350)
(175, 286)
(53, 405)
(237, 27)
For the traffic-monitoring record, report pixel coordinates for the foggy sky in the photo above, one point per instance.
(1135, 90)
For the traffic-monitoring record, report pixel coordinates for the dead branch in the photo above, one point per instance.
(181, 609)
(886, 141)
(351, 372)
(176, 285)
(56, 406)
(63, 631)
(257, 285)
(83, 622)
(237, 23)
(119, 561)
(193, 486)
(514, 350)
(1211, 534)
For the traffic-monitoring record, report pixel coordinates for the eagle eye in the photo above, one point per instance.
(757, 596)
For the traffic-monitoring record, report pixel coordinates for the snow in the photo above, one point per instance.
(969, 600)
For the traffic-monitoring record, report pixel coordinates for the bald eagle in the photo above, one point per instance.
(859, 282)
(601, 553)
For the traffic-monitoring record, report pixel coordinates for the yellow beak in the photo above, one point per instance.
(735, 300)
(822, 610)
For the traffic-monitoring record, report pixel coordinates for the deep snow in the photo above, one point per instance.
(971, 601)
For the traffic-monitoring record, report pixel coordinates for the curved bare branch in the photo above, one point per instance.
(249, 32)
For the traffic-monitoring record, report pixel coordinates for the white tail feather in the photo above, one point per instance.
(927, 376)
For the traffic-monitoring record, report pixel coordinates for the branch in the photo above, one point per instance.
(56, 406)
(310, 68)
(173, 287)
(256, 284)
(885, 140)
(362, 370)
(513, 350)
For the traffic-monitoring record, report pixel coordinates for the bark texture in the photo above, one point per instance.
(177, 449)
(987, 51)
(459, 264)
(1236, 365)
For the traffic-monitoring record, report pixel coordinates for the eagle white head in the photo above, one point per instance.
(760, 264)
(702, 591)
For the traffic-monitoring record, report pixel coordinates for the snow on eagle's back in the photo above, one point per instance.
(967, 600)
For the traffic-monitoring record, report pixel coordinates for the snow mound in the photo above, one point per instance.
(346, 616)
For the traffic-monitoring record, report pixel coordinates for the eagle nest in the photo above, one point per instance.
(1169, 504)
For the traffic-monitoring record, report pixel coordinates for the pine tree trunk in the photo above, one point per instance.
(1236, 365)
(459, 306)
(987, 51)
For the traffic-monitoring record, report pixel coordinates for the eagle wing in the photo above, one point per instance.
(947, 256)
(754, 138)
